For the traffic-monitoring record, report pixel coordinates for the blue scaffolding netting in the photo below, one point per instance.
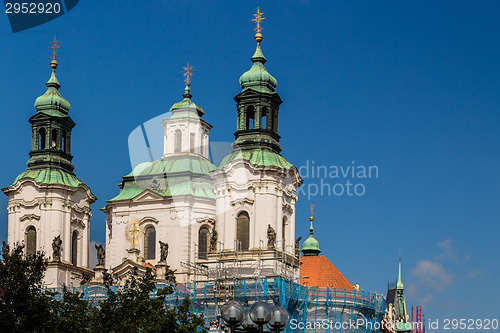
(311, 309)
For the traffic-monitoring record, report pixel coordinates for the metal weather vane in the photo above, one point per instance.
(188, 72)
(258, 18)
(54, 47)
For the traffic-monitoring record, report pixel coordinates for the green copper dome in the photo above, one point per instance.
(310, 247)
(52, 101)
(257, 77)
(187, 103)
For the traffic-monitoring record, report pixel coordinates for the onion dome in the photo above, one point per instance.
(310, 247)
(187, 102)
(257, 77)
(52, 101)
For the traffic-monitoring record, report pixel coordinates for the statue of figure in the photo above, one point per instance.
(86, 278)
(108, 278)
(271, 237)
(56, 248)
(163, 251)
(297, 247)
(169, 275)
(213, 241)
(101, 254)
(5, 249)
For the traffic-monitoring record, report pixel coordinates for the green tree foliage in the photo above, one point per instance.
(24, 307)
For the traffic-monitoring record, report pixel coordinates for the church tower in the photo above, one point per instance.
(170, 200)
(48, 206)
(256, 187)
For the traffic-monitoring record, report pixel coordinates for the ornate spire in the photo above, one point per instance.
(52, 99)
(258, 29)
(311, 245)
(400, 283)
(188, 72)
(311, 218)
(258, 103)
(51, 134)
(186, 102)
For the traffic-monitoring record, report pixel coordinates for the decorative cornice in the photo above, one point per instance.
(148, 219)
(29, 217)
(207, 220)
(242, 202)
(76, 220)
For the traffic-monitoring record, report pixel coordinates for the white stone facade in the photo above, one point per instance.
(52, 210)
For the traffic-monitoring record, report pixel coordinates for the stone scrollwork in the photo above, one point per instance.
(30, 217)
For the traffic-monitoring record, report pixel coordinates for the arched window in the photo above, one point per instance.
(263, 119)
(150, 243)
(41, 139)
(243, 230)
(191, 143)
(74, 248)
(250, 117)
(53, 142)
(203, 243)
(283, 235)
(205, 145)
(64, 142)
(31, 241)
(178, 142)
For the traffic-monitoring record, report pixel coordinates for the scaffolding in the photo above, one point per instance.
(311, 309)
(228, 266)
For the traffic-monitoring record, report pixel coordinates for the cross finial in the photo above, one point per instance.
(54, 47)
(258, 18)
(188, 72)
(312, 210)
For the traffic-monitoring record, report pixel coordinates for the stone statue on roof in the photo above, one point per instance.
(213, 241)
(5, 249)
(297, 247)
(101, 254)
(163, 251)
(271, 237)
(56, 248)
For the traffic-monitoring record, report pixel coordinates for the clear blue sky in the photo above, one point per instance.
(411, 87)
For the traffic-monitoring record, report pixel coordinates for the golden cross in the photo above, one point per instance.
(258, 18)
(312, 209)
(134, 233)
(54, 47)
(188, 72)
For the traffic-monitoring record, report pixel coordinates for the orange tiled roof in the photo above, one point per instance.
(318, 271)
(149, 265)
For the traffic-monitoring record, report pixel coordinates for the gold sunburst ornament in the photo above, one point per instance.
(258, 28)
(54, 47)
(188, 72)
(133, 231)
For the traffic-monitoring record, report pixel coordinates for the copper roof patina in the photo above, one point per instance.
(257, 157)
(50, 176)
(176, 176)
